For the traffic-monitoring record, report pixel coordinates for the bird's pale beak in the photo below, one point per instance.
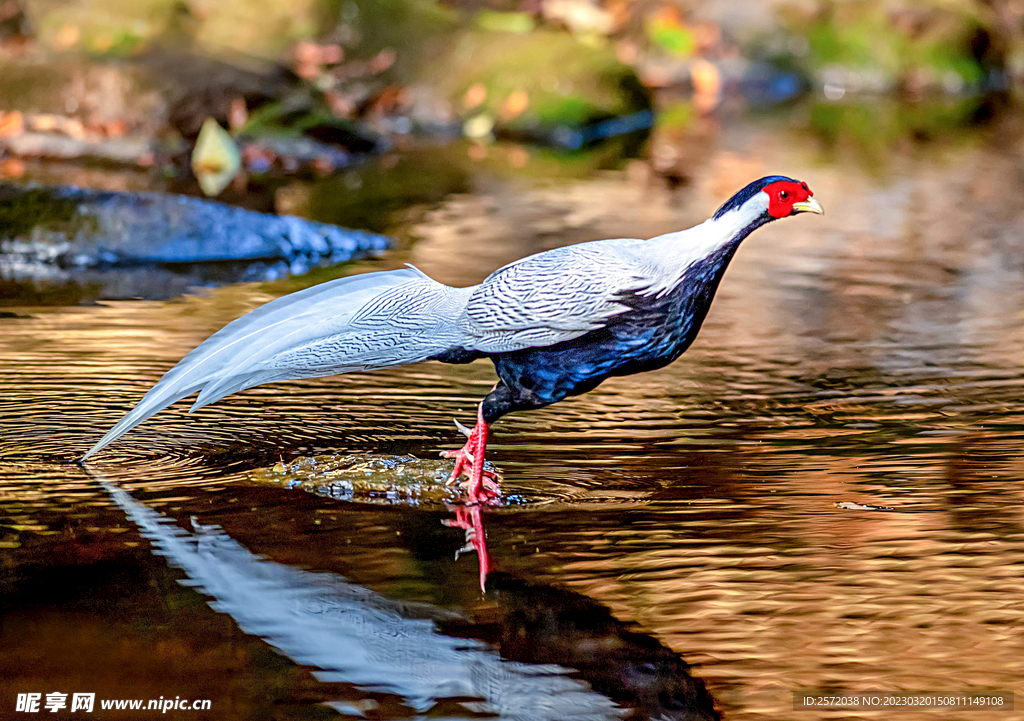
(808, 206)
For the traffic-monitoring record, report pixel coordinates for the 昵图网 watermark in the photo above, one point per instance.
(87, 703)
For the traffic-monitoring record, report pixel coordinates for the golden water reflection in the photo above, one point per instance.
(827, 491)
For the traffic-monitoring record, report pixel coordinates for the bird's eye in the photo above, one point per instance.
(783, 194)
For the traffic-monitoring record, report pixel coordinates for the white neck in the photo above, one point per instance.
(675, 252)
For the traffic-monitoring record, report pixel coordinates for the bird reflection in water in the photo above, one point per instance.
(531, 651)
(541, 624)
(470, 519)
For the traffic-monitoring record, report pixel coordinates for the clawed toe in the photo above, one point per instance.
(466, 456)
(492, 486)
(465, 464)
(481, 483)
(479, 486)
(482, 494)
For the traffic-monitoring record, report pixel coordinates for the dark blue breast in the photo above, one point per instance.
(651, 334)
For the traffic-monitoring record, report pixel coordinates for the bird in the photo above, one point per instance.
(555, 324)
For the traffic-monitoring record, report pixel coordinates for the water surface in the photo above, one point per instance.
(825, 492)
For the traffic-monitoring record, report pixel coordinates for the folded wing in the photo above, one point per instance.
(552, 297)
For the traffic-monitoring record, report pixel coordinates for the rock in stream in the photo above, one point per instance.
(152, 245)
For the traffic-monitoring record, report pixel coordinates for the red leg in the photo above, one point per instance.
(469, 461)
(471, 520)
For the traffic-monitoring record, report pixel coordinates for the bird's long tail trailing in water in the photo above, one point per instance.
(361, 322)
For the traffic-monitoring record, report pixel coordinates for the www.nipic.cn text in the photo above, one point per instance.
(86, 702)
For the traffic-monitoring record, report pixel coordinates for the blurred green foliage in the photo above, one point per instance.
(671, 36)
(260, 28)
(872, 129)
(565, 82)
(293, 117)
(415, 28)
(505, 22)
(678, 115)
(933, 37)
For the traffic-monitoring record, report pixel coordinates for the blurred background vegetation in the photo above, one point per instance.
(223, 97)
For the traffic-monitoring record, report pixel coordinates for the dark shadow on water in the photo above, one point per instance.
(542, 624)
(529, 651)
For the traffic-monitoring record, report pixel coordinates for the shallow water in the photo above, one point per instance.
(825, 492)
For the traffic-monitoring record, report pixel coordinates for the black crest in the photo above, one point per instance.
(748, 192)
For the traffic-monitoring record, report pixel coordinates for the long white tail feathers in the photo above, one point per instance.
(361, 322)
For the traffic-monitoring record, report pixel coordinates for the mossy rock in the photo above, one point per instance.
(563, 82)
(366, 477)
(25, 210)
(416, 29)
(254, 28)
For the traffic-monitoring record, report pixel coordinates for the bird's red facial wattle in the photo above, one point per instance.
(786, 197)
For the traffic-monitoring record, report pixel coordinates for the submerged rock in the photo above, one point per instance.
(53, 235)
(404, 480)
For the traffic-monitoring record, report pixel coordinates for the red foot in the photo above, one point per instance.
(469, 461)
(471, 520)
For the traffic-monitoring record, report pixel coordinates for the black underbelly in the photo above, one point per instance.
(651, 334)
(537, 377)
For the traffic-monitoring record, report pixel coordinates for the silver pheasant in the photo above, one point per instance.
(555, 324)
